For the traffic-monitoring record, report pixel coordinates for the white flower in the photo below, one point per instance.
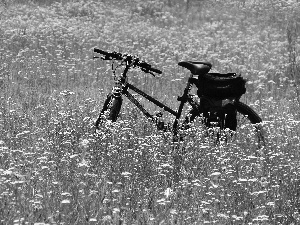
(85, 143)
(168, 192)
(65, 201)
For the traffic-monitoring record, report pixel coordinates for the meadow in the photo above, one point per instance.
(54, 167)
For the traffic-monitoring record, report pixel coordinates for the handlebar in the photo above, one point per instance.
(145, 67)
(109, 55)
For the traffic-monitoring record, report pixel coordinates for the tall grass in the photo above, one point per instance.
(54, 167)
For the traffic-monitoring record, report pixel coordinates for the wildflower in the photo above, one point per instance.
(264, 182)
(173, 212)
(107, 218)
(66, 93)
(261, 218)
(65, 201)
(66, 194)
(271, 203)
(161, 201)
(83, 164)
(215, 174)
(116, 210)
(73, 156)
(168, 192)
(166, 165)
(126, 174)
(84, 143)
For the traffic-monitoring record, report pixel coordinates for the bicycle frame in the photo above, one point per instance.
(183, 99)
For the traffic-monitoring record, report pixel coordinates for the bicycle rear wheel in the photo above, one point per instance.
(248, 113)
(246, 123)
(249, 124)
(110, 110)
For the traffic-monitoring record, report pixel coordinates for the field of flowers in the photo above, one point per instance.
(54, 167)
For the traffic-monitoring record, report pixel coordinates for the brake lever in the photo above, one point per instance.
(152, 74)
(147, 71)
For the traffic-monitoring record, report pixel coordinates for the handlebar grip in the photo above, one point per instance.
(155, 70)
(148, 67)
(101, 51)
(109, 55)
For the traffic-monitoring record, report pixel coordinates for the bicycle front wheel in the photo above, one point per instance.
(110, 110)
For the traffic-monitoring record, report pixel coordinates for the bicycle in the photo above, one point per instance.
(219, 107)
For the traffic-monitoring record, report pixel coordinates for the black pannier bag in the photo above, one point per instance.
(221, 86)
(218, 114)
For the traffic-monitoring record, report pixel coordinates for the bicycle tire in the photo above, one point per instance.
(110, 109)
(245, 116)
(254, 118)
(247, 111)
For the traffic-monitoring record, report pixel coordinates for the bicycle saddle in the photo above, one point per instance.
(196, 68)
